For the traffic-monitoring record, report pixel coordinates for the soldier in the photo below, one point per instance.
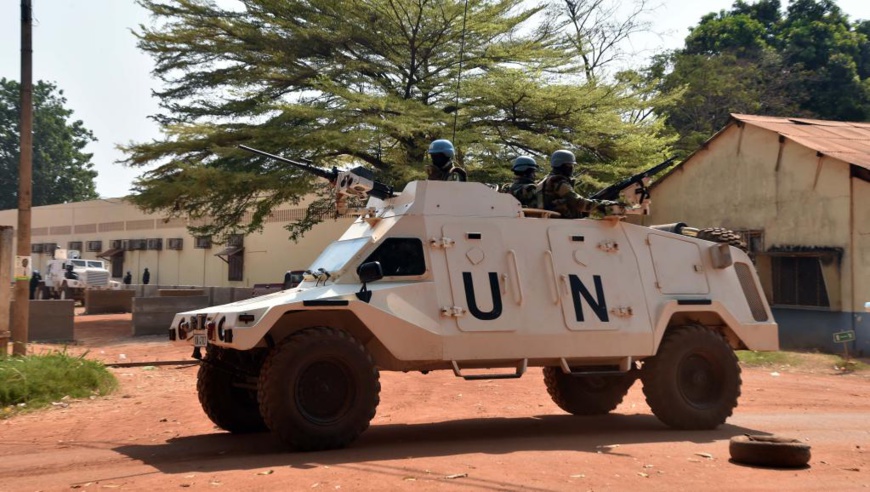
(442, 168)
(558, 190)
(128, 278)
(523, 187)
(146, 276)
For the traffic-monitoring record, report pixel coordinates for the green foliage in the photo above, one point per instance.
(62, 171)
(767, 359)
(808, 61)
(348, 83)
(801, 360)
(38, 380)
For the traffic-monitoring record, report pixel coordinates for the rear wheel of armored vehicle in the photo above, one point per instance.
(587, 394)
(227, 389)
(721, 235)
(693, 382)
(319, 389)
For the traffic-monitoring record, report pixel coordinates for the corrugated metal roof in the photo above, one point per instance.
(849, 142)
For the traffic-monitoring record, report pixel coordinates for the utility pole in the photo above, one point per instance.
(21, 314)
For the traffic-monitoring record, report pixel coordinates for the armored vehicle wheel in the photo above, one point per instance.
(319, 389)
(693, 382)
(226, 385)
(586, 395)
(721, 235)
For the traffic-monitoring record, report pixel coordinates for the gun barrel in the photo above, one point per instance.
(612, 191)
(329, 175)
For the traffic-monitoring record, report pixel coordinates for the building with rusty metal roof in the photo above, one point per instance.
(798, 190)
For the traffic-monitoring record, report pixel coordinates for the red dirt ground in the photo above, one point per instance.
(432, 432)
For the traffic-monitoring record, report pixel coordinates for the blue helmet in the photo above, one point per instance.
(561, 158)
(442, 146)
(523, 163)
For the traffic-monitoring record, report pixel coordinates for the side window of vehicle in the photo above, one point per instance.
(400, 256)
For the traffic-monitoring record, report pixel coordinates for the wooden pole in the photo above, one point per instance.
(21, 314)
(6, 235)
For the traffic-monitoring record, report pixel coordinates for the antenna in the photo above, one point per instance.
(459, 74)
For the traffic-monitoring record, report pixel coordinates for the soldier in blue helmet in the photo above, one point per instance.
(558, 192)
(442, 168)
(523, 187)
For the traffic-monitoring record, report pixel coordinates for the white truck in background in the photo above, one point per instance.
(68, 275)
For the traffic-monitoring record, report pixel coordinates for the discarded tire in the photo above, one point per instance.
(772, 451)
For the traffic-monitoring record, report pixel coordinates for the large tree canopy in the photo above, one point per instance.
(62, 171)
(372, 82)
(808, 60)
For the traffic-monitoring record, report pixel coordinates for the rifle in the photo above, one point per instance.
(359, 181)
(633, 189)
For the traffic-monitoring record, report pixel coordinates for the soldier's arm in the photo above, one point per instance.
(580, 204)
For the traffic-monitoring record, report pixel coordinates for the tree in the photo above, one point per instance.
(808, 61)
(62, 171)
(369, 82)
(598, 33)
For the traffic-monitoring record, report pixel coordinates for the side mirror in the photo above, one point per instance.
(370, 272)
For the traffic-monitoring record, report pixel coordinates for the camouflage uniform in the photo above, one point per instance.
(559, 196)
(452, 174)
(525, 190)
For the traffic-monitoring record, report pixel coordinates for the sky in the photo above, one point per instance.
(86, 47)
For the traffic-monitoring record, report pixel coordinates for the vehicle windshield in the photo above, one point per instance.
(87, 263)
(337, 254)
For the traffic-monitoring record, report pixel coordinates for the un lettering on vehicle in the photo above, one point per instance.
(568, 281)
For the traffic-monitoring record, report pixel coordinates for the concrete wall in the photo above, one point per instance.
(740, 181)
(268, 254)
(733, 182)
(153, 315)
(861, 243)
(801, 329)
(108, 301)
(180, 292)
(226, 295)
(50, 321)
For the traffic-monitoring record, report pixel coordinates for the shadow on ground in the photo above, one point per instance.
(495, 436)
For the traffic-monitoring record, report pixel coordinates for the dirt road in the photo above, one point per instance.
(431, 432)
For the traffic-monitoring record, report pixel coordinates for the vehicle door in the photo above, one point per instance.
(595, 277)
(477, 263)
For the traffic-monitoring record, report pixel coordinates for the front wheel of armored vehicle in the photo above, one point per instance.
(693, 381)
(586, 394)
(319, 389)
(227, 387)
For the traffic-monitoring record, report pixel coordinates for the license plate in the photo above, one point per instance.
(200, 339)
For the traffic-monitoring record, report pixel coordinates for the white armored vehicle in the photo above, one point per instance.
(456, 276)
(68, 275)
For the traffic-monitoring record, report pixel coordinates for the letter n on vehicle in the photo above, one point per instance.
(598, 304)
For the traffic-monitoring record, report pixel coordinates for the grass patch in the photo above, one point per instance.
(35, 381)
(764, 359)
(801, 360)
